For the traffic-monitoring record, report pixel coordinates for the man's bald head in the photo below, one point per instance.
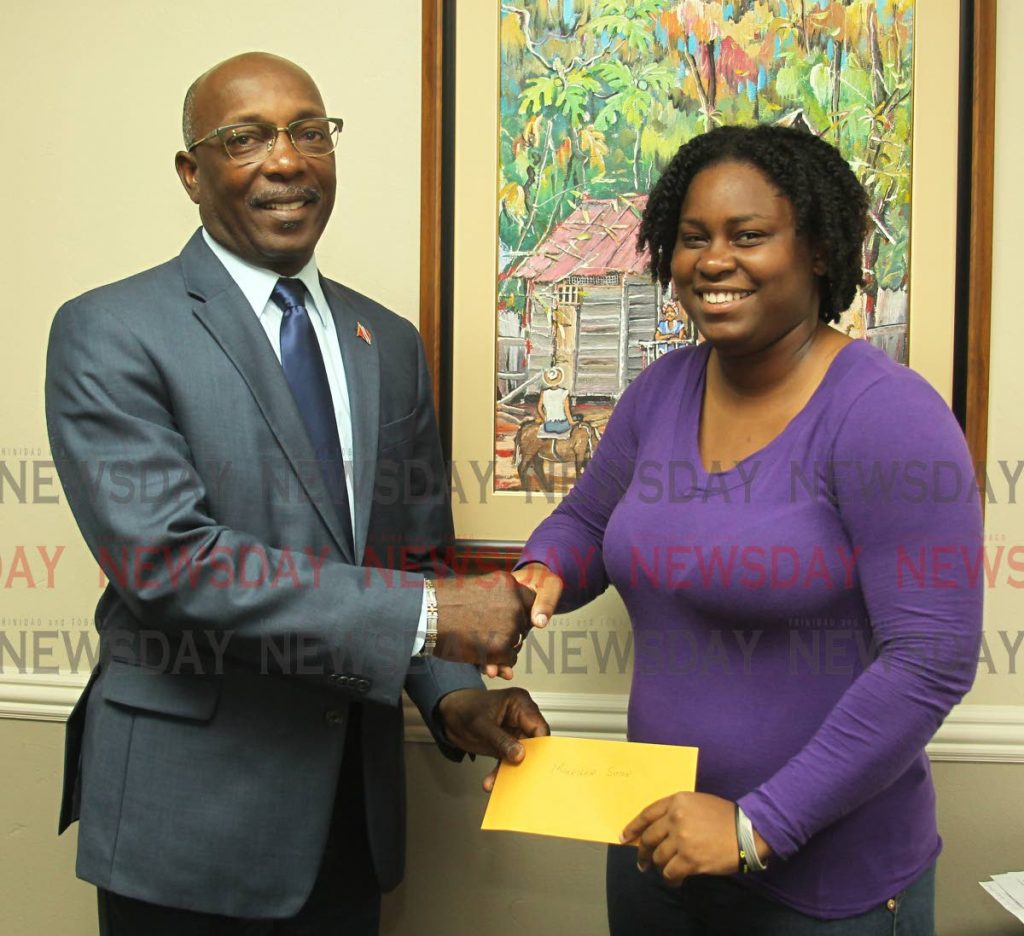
(271, 209)
(246, 61)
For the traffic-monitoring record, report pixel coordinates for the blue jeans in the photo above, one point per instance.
(641, 903)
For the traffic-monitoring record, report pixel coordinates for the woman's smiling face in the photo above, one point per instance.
(739, 268)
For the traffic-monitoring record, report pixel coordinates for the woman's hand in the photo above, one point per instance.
(547, 588)
(688, 833)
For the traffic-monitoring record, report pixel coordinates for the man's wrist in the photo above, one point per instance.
(430, 637)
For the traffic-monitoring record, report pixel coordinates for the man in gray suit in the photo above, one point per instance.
(250, 451)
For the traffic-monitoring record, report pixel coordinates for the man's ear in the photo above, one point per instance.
(188, 171)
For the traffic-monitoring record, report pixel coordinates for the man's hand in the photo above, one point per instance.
(686, 834)
(547, 589)
(482, 619)
(491, 722)
(539, 590)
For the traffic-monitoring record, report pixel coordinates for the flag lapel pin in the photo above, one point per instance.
(363, 332)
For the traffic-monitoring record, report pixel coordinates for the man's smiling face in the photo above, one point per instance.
(269, 213)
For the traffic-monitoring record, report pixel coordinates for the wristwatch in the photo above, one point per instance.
(430, 641)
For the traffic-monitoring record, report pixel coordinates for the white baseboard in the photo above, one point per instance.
(990, 734)
(39, 696)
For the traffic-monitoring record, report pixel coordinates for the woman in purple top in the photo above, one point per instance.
(800, 557)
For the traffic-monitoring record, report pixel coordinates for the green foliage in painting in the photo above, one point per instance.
(597, 95)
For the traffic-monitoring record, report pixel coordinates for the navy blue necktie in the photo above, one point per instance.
(306, 375)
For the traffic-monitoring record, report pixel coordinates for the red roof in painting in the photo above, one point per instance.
(598, 238)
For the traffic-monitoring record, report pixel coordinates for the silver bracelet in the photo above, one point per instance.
(749, 859)
(430, 640)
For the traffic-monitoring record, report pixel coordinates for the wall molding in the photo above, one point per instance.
(39, 696)
(988, 734)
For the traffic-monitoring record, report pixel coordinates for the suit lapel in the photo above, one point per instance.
(362, 374)
(225, 313)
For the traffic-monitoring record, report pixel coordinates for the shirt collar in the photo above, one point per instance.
(257, 283)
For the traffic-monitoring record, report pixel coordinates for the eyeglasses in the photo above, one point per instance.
(252, 142)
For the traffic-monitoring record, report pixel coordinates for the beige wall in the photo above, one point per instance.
(99, 199)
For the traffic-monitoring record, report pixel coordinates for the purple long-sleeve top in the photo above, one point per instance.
(806, 618)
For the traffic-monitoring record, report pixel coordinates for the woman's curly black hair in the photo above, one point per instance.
(829, 203)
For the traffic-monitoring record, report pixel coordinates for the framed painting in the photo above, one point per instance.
(545, 123)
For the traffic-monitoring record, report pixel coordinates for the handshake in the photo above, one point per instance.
(484, 619)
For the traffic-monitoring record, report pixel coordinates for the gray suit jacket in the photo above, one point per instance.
(237, 628)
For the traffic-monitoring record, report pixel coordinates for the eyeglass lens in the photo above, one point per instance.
(313, 137)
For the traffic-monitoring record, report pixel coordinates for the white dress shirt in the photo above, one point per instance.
(256, 284)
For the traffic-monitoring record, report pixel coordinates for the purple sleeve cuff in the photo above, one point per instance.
(575, 560)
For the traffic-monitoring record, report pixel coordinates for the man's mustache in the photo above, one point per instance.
(289, 193)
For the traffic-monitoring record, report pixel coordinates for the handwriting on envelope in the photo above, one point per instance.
(584, 789)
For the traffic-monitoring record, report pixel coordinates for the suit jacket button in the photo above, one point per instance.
(335, 718)
(363, 685)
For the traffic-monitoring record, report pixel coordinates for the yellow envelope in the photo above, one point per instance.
(584, 789)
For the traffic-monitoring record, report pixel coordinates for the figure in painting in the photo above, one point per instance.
(671, 329)
(557, 436)
(554, 409)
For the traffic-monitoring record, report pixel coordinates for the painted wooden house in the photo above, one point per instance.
(590, 301)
